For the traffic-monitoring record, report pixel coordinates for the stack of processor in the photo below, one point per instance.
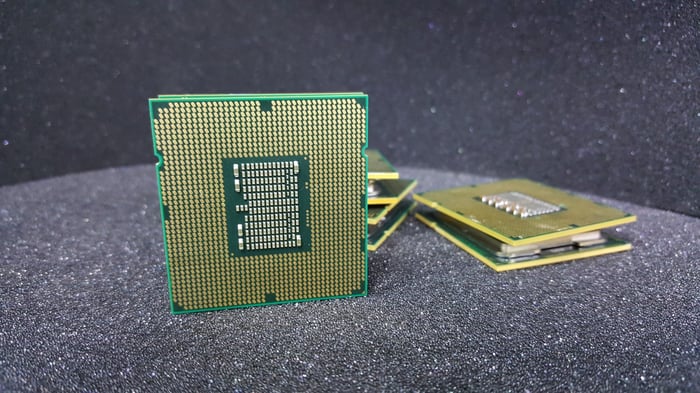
(518, 223)
(386, 197)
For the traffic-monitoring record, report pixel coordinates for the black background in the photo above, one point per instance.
(600, 97)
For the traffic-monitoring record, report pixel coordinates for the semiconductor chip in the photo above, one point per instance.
(263, 197)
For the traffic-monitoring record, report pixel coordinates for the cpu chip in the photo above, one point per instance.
(263, 197)
(379, 232)
(518, 223)
(389, 192)
(379, 167)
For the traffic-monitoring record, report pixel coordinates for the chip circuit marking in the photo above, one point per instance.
(519, 204)
(267, 206)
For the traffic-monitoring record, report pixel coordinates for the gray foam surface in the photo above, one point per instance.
(84, 306)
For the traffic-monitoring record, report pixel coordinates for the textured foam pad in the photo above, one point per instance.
(84, 304)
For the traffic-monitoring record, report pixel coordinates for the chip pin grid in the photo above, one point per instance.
(263, 197)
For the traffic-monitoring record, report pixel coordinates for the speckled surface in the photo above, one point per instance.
(83, 306)
(595, 96)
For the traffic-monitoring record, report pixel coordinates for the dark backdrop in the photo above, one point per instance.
(599, 96)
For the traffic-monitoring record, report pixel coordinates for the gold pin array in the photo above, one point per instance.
(194, 137)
